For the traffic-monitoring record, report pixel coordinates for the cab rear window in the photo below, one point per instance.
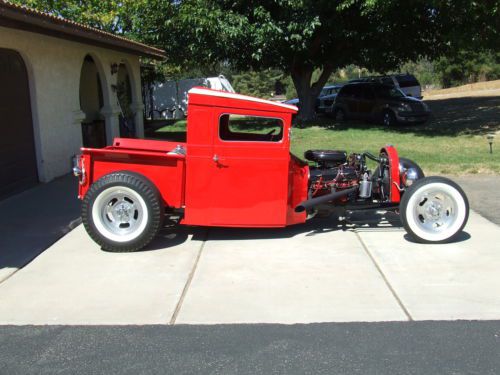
(244, 128)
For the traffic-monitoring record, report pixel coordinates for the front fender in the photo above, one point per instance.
(391, 154)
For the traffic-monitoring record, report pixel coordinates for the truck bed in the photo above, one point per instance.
(162, 162)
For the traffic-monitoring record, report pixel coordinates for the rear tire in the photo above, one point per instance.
(122, 212)
(434, 210)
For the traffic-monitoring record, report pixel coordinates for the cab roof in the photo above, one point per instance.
(209, 97)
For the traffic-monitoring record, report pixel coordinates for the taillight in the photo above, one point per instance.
(77, 171)
(79, 168)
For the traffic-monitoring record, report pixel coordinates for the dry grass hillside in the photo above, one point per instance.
(490, 88)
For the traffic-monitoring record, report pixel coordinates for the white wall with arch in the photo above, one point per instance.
(55, 70)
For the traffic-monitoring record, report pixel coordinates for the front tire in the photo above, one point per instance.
(122, 212)
(389, 119)
(434, 210)
(339, 115)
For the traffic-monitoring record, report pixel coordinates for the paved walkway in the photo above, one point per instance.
(483, 192)
(301, 274)
(33, 220)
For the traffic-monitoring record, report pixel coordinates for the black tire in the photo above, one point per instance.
(455, 214)
(141, 204)
(389, 118)
(339, 115)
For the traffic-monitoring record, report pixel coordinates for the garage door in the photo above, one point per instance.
(18, 169)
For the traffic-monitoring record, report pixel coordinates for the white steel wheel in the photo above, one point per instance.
(434, 210)
(122, 212)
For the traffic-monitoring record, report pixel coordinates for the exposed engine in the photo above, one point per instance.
(335, 171)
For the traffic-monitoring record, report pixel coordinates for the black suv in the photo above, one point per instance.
(378, 102)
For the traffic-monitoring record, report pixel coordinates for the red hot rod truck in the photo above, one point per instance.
(236, 170)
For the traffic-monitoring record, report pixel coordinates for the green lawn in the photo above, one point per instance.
(452, 142)
(436, 154)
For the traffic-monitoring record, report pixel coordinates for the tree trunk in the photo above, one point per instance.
(307, 91)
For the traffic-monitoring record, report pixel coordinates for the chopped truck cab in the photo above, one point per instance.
(236, 170)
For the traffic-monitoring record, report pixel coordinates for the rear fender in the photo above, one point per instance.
(165, 170)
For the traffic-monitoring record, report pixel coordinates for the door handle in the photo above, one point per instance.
(218, 160)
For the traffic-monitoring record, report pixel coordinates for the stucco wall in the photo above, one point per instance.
(54, 67)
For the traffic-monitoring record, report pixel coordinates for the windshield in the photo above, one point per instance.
(226, 85)
(329, 91)
(389, 92)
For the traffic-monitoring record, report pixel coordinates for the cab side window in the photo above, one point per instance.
(250, 128)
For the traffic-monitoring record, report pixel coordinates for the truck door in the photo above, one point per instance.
(250, 170)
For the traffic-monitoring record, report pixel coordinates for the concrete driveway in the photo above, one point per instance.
(311, 273)
(33, 220)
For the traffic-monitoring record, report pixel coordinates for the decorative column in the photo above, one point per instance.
(78, 117)
(137, 108)
(112, 122)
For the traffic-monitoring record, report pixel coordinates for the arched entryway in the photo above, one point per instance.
(17, 146)
(125, 99)
(91, 102)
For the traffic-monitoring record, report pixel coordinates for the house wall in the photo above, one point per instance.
(54, 67)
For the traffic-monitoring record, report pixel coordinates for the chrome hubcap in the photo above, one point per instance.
(436, 211)
(120, 213)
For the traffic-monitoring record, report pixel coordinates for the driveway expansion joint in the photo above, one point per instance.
(386, 281)
(188, 281)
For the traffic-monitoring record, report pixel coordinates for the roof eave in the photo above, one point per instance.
(18, 18)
